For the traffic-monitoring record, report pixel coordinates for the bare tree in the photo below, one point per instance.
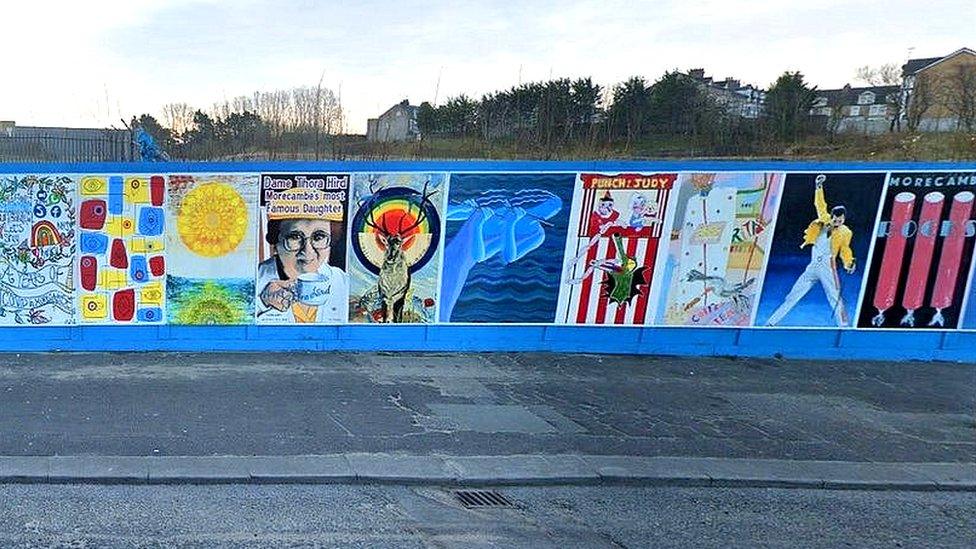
(887, 75)
(884, 75)
(835, 118)
(959, 96)
(921, 99)
(178, 117)
(273, 108)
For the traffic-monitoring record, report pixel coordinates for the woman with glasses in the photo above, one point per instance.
(301, 247)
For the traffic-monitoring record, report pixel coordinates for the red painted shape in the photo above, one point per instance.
(92, 214)
(889, 275)
(944, 291)
(157, 265)
(89, 272)
(119, 259)
(124, 304)
(156, 189)
(921, 262)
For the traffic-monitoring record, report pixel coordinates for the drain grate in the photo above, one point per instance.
(482, 498)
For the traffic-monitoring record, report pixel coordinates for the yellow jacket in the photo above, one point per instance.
(840, 238)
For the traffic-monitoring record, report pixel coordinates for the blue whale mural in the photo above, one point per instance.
(500, 227)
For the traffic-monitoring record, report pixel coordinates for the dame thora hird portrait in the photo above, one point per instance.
(303, 280)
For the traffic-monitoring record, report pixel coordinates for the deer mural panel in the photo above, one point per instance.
(395, 242)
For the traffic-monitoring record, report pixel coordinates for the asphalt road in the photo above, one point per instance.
(157, 404)
(80, 516)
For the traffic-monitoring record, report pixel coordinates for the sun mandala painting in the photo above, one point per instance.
(211, 246)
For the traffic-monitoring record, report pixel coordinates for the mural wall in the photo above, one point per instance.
(396, 244)
(301, 271)
(864, 250)
(819, 249)
(122, 262)
(211, 249)
(718, 249)
(37, 249)
(923, 252)
(504, 244)
(617, 225)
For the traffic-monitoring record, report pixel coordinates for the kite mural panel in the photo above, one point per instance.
(121, 261)
(608, 264)
(719, 242)
(37, 249)
(819, 250)
(211, 248)
(301, 276)
(923, 252)
(395, 247)
(504, 242)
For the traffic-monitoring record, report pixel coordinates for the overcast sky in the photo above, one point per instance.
(89, 63)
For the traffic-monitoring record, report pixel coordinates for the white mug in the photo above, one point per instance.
(313, 289)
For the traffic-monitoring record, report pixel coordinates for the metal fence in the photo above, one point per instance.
(110, 146)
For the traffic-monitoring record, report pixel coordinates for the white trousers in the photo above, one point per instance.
(824, 272)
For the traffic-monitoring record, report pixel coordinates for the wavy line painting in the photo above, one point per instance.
(504, 241)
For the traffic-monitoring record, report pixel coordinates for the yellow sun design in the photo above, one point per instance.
(212, 219)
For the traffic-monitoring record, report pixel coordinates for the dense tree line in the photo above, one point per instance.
(554, 114)
(539, 118)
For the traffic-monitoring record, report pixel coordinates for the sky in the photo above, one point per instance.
(89, 64)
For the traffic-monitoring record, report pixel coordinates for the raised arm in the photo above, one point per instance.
(820, 203)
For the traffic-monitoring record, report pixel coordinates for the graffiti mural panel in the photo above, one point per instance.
(922, 252)
(719, 242)
(37, 250)
(504, 242)
(122, 257)
(211, 248)
(609, 262)
(819, 250)
(301, 276)
(395, 247)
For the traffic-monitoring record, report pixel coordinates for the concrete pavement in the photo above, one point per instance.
(490, 418)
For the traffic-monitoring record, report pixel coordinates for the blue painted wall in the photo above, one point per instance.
(834, 344)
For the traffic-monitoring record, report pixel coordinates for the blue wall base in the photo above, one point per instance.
(748, 342)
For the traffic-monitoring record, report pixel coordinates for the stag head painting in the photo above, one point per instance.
(395, 240)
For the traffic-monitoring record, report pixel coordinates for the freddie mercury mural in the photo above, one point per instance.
(617, 223)
(211, 248)
(395, 244)
(505, 237)
(301, 274)
(122, 263)
(37, 249)
(922, 253)
(719, 243)
(819, 249)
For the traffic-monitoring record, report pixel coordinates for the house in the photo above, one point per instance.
(398, 123)
(745, 101)
(868, 110)
(940, 92)
(46, 144)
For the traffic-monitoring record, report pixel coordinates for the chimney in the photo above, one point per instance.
(732, 83)
(698, 74)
